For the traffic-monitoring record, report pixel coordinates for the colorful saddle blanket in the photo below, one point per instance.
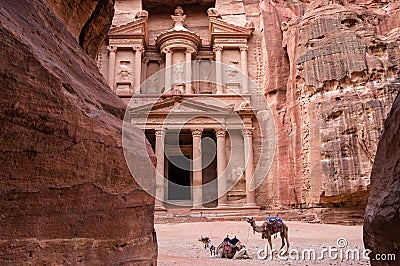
(274, 224)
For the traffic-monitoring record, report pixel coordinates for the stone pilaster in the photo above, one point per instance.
(243, 61)
(221, 167)
(249, 170)
(111, 66)
(168, 70)
(138, 67)
(218, 68)
(159, 150)
(188, 71)
(197, 169)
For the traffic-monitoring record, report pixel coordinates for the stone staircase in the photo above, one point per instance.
(312, 215)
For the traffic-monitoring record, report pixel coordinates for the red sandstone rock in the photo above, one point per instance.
(382, 217)
(87, 21)
(67, 196)
(340, 86)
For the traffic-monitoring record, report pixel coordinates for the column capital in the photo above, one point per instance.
(220, 132)
(160, 132)
(218, 48)
(247, 132)
(190, 50)
(138, 48)
(167, 50)
(243, 47)
(112, 48)
(197, 132)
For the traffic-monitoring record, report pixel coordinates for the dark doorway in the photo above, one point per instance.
(179, 179)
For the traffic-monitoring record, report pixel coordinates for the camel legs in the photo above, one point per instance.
(284, 236)
(241, 254)
(283, 239)
(269, 241)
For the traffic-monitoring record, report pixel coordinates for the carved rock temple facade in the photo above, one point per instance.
(204, 71)
(328, 70)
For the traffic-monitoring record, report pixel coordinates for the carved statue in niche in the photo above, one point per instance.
(178, 73)
(205, 77)
(152, 84)
(231, 71)
(124, 70)
(237, 173)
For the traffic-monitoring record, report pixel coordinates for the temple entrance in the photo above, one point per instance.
(179, 185)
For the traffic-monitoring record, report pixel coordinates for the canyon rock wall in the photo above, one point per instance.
(87, 21)
(343, 69)
(67, 196)
(382, 217)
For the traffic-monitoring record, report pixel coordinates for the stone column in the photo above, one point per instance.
(138, 67)
(168, 72)
(221, 167)
(111, 66)
(197, 169)
(218, 68)
(159, 149)
(243, 61)
(188, 71)
(249, 170)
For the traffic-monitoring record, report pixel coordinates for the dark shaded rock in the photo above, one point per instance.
(87, 21)
(382, 217)
(67, 196)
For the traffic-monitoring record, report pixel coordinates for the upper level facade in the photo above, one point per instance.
(188, 49)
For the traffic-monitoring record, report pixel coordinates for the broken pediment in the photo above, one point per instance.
(136, 29)
(222, 29)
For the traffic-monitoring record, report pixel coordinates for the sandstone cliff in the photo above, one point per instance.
(87, 21)
(343, 61)
(382, 217)
(67, 196)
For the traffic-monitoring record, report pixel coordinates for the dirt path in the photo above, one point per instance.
(178, 244)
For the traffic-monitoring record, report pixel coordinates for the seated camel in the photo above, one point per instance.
(229, 248)
(208, 244)
(271, 227)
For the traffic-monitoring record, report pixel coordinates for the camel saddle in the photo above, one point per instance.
(274, 224)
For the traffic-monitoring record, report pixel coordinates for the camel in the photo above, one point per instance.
(267, 229)
(207, 244)
(229, 248)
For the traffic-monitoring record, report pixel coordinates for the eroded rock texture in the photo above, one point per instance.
(343, 63)
(87, 21)
(382, 217)
(67, 196)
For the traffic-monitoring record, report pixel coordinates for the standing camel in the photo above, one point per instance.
(268, 229)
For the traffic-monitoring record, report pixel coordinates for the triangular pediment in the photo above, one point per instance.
(174, 106)
(136, 27)
(218, 26)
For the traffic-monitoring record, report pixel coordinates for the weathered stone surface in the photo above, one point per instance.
(67, 196)
(87, 21)
(382, 217)
(342, 80)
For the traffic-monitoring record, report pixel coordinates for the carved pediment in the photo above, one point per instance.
(136, 29)
(222, 29)
(175, 106)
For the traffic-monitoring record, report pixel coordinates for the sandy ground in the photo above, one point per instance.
(178, 243)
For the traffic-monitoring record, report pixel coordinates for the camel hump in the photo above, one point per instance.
(274, 219)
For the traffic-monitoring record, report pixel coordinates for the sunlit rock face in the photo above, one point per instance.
(67, 196)
(343, 61)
